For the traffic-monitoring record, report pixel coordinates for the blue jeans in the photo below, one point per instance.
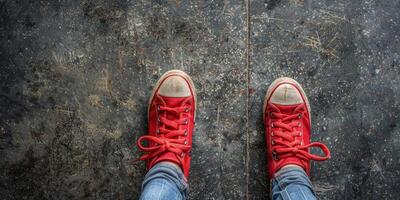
(166, 182)
(292, 183)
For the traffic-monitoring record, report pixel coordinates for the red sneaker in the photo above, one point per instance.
(287, 124)
(171, 115)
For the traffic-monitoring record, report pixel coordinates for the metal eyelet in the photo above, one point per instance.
(299, 116)
(158, 107)
(272, 142)
(186, 121)
(272, 125)
(300, 133)
(272, 133)
(299, 124)
(182, 154)
(158, 131)
(301, 143)
(158, 119)
(185, 142)
(274, 156)
(187, 109)
(271, 114)
(185, 133)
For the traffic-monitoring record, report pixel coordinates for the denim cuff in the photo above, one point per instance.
(170, 173)
(292, 175)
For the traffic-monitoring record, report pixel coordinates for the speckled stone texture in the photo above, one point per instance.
(75, 78)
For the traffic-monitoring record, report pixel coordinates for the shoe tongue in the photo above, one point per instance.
(294, 161)
(173, 101)
(287, 109)
(168, 156)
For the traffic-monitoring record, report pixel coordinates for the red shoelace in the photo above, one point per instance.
(284, 143)
(167, 135)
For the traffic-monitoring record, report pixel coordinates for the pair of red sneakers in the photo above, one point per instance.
(171, 116)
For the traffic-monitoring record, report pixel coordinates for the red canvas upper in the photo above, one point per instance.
(170, 125)
(287, 133)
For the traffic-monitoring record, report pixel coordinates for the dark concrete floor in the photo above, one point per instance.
(76, 77)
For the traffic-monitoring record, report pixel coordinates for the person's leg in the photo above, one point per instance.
(171, 115)
(291, 182)
(164, 181)
(287, 124)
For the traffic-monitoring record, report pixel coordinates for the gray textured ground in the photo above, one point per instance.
(76, 75)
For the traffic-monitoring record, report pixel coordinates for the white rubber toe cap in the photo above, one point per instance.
(174, 86)
(286, 94)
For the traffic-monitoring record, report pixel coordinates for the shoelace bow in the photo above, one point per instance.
(287, 145)
(167, 135)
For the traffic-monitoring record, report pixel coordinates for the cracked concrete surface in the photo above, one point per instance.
(76, 77)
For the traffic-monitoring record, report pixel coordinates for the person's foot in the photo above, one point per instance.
(287, 122)
(171, 115)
